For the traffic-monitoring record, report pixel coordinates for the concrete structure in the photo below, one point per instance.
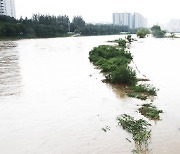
(7, 7)
(135, 20)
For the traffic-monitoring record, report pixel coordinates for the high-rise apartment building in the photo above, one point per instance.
(139, 21)
(135, 20)
(7, 7)
(123, 19)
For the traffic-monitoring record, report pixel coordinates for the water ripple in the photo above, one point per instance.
(10, 79)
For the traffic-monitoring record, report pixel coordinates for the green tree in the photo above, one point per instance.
(77, 24)
(142, 32)
(157, 32)
(156, 28)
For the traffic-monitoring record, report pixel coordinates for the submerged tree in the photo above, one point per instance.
(142, 32)
(157, 32)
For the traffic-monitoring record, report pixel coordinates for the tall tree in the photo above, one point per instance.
(77, 24)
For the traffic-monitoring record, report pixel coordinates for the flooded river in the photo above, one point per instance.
(52, 100)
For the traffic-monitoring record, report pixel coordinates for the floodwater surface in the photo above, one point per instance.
(52, 99)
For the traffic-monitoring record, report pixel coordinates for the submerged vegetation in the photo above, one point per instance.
(114, 63)
(142, 32)
(157, 32)
(142, 91)
(146, 88)
(150, 111)
(138, 128)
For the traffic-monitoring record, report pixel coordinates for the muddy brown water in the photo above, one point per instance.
(52, 100)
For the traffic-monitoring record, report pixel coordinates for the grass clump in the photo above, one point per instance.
(142, 91)
(138, 128)
(137, 95)
(146, 88)
(150, 111)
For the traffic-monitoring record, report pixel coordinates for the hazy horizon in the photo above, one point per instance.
(157, 12)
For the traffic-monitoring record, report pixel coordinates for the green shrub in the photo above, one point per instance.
(122, 75)
(107, 52)
(142, 32)
(129, 38)
(122, 43)
(114, 61)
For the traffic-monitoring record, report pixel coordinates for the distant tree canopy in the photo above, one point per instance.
(50, 26)
(37, 26)
(157, 32)
(103, 29)
(43, 26)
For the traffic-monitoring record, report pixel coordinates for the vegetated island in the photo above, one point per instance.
(114, 62)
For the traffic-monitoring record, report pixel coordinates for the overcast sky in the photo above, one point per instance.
(157, 11)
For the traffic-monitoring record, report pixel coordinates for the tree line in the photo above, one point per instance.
(42, 26)
(37, 26)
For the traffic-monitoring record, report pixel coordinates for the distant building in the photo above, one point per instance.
(135, 20)
(139, 21)
(123, 19)
(173, 25)
(7, 7)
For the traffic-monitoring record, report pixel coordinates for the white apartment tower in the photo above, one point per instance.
(7, 7)
(139, 21)
(134, 21)
(123, 19)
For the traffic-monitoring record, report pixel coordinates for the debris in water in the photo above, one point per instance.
(106, 128)
(128, 140)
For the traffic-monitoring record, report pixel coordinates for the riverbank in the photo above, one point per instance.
(34, 37)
